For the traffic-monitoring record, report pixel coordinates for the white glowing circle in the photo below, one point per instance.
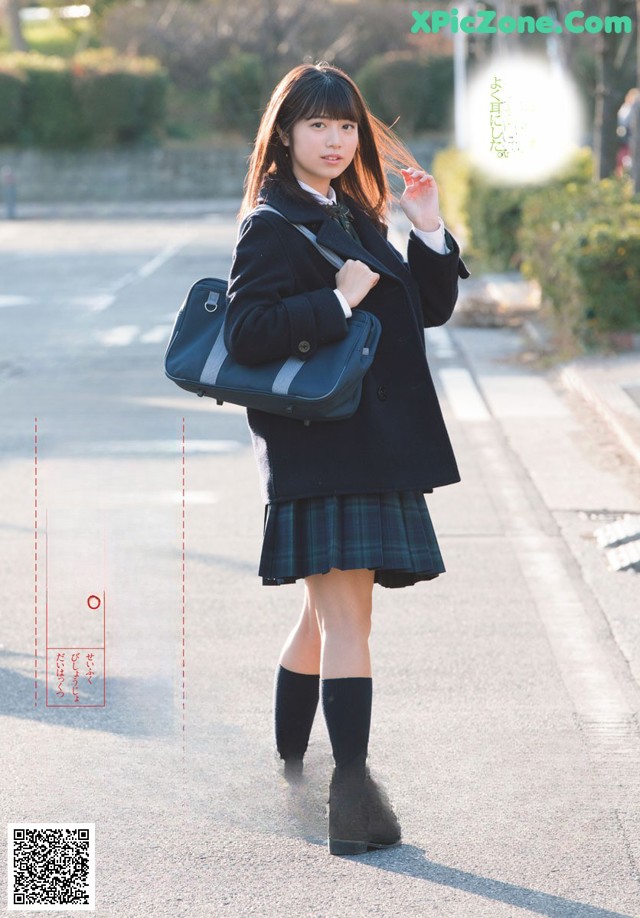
(525, 119)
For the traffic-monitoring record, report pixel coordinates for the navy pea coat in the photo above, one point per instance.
(281, 304)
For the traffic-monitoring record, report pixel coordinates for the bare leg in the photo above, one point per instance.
(343, 603)
(332, 632)
(301, 651)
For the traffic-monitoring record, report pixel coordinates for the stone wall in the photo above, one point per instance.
(138, 175)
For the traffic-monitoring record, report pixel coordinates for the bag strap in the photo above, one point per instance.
(331, 256)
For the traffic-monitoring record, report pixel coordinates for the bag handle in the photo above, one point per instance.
(331, 256)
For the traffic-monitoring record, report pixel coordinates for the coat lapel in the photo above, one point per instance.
(374, 251)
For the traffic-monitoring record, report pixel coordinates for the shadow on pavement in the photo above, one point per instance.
(410, 861)
(135, 707)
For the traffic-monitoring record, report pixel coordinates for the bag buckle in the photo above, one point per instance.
(212, 300)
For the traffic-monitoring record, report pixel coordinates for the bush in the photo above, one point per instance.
(452, 172)
(50, 114)
(237, 86)
(493, 212)
(582, 244)
(121, 99)
(94, 99)
(417, 89)
(607, 261)
(12, 84)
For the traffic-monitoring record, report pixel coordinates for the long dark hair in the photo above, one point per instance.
(321, 90)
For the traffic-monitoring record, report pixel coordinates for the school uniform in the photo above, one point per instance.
(349, 493)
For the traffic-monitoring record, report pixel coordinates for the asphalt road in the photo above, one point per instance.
(506, 698)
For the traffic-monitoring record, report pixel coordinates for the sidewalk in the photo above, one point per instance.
(609, 384)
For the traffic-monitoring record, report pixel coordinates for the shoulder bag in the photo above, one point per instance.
(325, 387)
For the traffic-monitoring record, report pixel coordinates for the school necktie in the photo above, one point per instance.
(342, 214)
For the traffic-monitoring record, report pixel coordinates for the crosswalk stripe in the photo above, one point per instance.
(119, 335)
(161, 446)
(156, 334)
(12, 300)
(439, 343)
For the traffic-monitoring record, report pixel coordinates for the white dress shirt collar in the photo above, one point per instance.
(331, 199)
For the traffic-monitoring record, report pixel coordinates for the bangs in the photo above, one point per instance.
(332, 99)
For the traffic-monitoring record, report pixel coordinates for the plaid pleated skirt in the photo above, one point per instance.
(390, 533)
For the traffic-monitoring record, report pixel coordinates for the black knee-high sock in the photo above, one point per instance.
(346, 704)
(295, 702)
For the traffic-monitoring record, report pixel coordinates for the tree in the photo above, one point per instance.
(10, 16)
(190, 36)
(614, 72)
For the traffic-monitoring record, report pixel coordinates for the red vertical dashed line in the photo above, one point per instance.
(46, 608)
(35, 564)
(183, 602)
(104, 647)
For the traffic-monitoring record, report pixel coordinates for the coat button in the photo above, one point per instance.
(382, 393)
(304, 346)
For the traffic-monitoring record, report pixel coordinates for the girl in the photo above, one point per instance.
(344, 500)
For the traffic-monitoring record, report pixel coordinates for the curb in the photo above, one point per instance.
(572, 379)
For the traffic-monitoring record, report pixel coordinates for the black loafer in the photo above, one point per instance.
(361, 818)
(384, 828)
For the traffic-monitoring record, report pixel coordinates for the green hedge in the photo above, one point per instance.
(582, 244)
(452, 172)
(495, 211)
(579, 239)
(94, 99)
(490, 213)
(405, 84)
(121, 99)
(51, 115)
(11, 101)
(237, 85)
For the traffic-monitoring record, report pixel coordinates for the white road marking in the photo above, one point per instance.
(190, 402)
(463, 395)
(119, 335)
(148, 268)
(122, 282)
(95, 302)
(156, 334)
(168, 252)
(9, 300)
(163, 497)
(162, 446)
(439, 342)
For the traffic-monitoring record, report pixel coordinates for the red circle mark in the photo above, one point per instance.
(96, 601)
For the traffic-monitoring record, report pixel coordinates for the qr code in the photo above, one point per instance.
(51, 866)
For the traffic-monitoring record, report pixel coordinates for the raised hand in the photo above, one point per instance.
(420, 199)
